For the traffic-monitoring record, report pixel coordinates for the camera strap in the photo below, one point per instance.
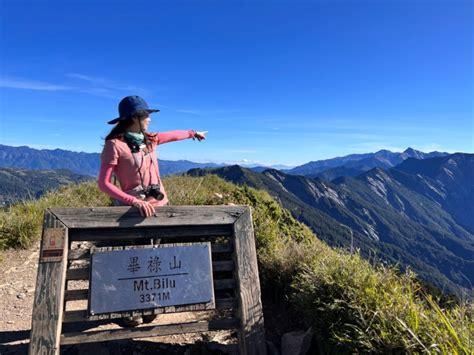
(150, 150)
(139, 166)
(146, 152)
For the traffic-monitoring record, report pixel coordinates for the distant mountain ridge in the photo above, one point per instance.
(89, 163)
(355, 164)
(45, 159)
(79, 162)
(22, 184)
(416, 214)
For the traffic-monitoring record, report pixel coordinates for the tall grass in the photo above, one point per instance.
(352, 305)
(375, 309)
(20, 224)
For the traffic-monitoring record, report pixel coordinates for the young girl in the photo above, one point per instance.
(129, 154)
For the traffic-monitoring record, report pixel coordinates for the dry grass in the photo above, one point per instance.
(20, 224)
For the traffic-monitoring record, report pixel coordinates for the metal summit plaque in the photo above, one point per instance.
(126, 280)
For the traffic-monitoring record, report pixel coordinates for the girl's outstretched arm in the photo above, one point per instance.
(171, 136)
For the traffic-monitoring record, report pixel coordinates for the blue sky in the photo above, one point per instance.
(274, 82)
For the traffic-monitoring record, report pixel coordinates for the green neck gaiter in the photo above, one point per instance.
(136, 139)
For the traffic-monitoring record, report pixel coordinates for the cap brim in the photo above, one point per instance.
(114, 121)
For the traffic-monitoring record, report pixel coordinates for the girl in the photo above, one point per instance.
(129, 154)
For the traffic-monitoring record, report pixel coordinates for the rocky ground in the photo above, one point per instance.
(17, 287)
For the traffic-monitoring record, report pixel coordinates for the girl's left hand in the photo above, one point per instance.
(200, 135)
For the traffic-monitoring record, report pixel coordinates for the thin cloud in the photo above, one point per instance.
(85, 78)
(209, 112)
(32, 85)
(191, 112)
(101, 92)
(90, 85)
(242, 161)
(106, 85)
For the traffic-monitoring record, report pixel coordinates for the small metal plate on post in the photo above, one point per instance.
(134, 279)
(52, 245)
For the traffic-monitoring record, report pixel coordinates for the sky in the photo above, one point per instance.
(274, 82)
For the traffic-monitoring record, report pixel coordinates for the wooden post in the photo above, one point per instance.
(48, 303)
(251, 335)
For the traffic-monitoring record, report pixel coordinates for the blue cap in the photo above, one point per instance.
(129, 106)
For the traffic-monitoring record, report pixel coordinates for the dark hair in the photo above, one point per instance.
(122, 126)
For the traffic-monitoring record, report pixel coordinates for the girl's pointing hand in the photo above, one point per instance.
(200, 135)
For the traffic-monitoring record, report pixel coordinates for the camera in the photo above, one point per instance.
(154, 191)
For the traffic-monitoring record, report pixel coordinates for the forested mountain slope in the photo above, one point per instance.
(416, 214)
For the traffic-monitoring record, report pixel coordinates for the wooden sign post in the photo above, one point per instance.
(118, 235)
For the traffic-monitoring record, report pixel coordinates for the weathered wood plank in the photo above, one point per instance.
(224, 284)
(77, 274)
(129, 217)
(81, 315)
(127, 233)
(83, 273)
(252, 333)
(48, 303)
(149, 331)
(222, 248)
(76, 295)
(227, 265)
(80, 254)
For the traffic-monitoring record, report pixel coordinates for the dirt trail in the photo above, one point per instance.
(17, 288)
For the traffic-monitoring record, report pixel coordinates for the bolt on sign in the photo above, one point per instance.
(126, 280)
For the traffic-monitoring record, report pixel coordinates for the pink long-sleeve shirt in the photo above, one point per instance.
(117, 159)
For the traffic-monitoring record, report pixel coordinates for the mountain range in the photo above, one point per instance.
(418, 214)
(355, 164)
(22, 184)
(77, 162)
(89, 163)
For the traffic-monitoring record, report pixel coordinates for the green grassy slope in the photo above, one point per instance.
(351, 305)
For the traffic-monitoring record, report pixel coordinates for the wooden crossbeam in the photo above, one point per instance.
(81, 254)
(81, 315)
(149, 331)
